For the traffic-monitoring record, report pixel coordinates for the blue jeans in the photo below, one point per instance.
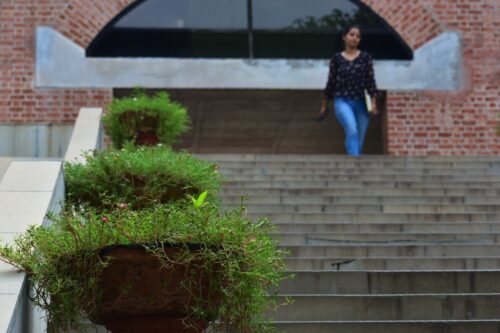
(354, 118)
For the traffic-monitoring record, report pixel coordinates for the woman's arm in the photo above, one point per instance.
(330, 86)
(371, 84)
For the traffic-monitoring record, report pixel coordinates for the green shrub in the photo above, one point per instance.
(141, 177)
(63, 260)
(127, 117)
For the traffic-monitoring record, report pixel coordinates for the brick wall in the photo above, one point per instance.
(417, 123)
(463, 122)
(20, 101)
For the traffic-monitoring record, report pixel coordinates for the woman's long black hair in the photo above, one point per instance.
(351, 26)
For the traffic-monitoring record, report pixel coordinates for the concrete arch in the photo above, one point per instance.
(82, 21)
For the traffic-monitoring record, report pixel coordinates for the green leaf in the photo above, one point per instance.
(201, 199)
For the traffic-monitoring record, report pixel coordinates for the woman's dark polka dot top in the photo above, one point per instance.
(349, 78)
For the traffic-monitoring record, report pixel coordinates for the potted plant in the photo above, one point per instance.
(139, 176)
(145, 120)
(119, 268)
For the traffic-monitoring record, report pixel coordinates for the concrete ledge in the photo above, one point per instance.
(27, 191)
(22, 176)
(437, 65)
(86, 134)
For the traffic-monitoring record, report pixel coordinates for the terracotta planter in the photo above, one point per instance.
(145, 127)
(168, 193)
(139, 295)
(146, 139)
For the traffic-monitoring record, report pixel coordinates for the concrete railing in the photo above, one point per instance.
(87, 134)
(28, 190)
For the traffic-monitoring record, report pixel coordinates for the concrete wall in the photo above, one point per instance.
(436, 66)
(37, 140)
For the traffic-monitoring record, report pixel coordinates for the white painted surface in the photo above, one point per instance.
(436, 66)
(86, 134)
(18, 210)
(30, 176)
(8, 302)
(27, 190)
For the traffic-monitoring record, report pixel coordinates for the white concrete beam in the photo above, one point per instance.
(436, 66)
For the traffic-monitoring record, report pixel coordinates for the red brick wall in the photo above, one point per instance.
(457, 123)
(20, 102)
(418, 123)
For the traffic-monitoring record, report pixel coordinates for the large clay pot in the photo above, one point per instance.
(145, 127)
(141, 295)
(146, 139)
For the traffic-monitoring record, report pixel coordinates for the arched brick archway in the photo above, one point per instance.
(81, 21)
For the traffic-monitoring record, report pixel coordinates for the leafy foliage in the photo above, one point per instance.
(128, 116)
(63, 260)
(141, 177)
(335, 21)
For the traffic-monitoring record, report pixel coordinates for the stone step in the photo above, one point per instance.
(359, 171)
(364, 178)
(331, 199)
(343, 227)
(370, 208)
(445, 165)
(392, 250)
(389, 307)
(391, 282)
(332, 157)
(385, 238)
(362, 184)
(462, 326)
(377, 217)
(376, 192)
(392, 263)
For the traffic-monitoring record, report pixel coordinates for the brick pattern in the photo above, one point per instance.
(456, 123)
(422, 123)
(21, 102)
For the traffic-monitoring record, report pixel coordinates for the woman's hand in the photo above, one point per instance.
(322, 114)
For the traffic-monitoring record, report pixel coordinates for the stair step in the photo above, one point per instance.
(390, 307)
(377, 192)
(385, 238)
(377, 217)
(331, 199)
(361, 163)
(370, 208)
(422, 227)
(364, 178)
(391, 282)
(359, 171)
(392, 263)
(449, 326)
(333, 157)
(362, 184)
(361, 250)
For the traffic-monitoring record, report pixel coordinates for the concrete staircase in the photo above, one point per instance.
(378, 243)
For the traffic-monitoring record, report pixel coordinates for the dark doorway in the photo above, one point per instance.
(264, 121)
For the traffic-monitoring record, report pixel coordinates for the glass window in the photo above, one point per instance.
(183, 14)
(291, 29)
(174, 28)
(313, 29)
